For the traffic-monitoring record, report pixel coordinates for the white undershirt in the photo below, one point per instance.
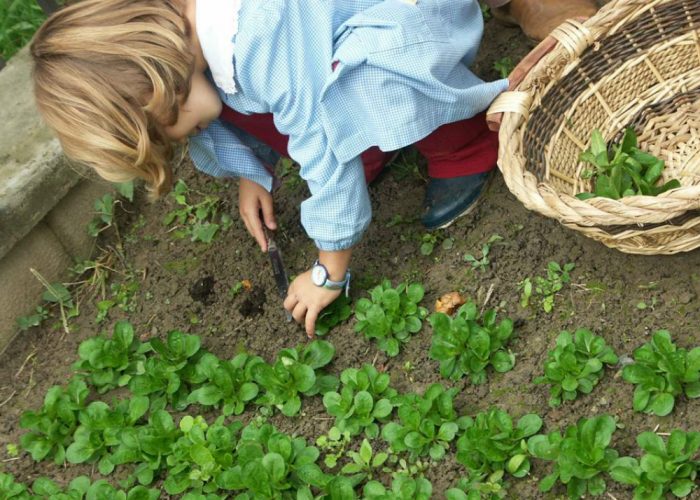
(217, 24)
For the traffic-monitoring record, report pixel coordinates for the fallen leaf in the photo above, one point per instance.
(449, 303)
(247, 285)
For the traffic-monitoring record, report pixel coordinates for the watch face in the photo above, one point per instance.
(318, 275)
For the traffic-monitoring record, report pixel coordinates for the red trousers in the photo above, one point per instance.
(455, 149)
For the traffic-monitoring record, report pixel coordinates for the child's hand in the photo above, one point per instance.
(252, 198)
(306, 301)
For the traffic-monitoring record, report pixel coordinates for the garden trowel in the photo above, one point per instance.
(278, 270)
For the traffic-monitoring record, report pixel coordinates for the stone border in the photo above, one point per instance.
(45, 203)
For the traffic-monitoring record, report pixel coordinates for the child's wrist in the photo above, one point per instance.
(336, 263)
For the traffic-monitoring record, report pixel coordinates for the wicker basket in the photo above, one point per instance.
(634, 64)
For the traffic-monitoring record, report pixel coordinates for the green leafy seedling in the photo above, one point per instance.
(402, 488)
(364, 463)
(491, 443)
(50, 430)
(481, 264)
(334, 314)
(364, 400)
(468, 343)
(479, 487)
(546, 288)
(295, 374)
(581, 456)
(628, 172)
(504, 66)
(662, 372)
(333, 444)
(575, 365)
(109, 363)
(391, 315)
(195, 221)
(665, 467)
(427, 424)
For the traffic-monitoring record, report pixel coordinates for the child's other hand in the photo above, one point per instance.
(252, 199)
(306, 301)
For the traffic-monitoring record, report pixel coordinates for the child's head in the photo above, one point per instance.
(110, 77)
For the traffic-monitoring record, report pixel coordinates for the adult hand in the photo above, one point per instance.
(253, 199)
(306, 301)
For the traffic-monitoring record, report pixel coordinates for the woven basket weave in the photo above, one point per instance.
(634, 64)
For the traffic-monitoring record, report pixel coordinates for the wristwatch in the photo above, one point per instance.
(319, 277)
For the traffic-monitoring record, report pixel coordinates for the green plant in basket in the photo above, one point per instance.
(427, 424)
(628, 172)
(293, 374)
(575, 365)
(491, 443)
(109, 363)
(50, 430)
(364, 399)
(468, 343)
(670, 466)
(661, 372)
(391, 315)
(580, 456)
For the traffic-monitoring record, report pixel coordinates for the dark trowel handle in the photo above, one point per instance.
(278, 270)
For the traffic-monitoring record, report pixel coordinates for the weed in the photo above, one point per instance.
(364, 463)
(482, 263)
(402, 487)
(333, 444)
(18, 21)
(26, 322)
(504, 66)
(479, 486)
(428, 242)
(196, 221)
(546, 288)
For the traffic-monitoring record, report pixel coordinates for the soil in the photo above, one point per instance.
(187, 285)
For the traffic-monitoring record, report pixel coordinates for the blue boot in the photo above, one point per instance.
(448, 199)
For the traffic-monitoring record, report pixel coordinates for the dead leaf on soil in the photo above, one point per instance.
(449, 303)
(247, 285)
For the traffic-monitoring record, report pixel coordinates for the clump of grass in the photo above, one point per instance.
(19, 19)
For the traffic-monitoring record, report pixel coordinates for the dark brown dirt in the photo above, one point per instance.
(184, 285)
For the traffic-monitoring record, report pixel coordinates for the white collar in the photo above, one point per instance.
(217, 24)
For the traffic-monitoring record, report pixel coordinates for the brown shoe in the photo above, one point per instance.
(537, 18)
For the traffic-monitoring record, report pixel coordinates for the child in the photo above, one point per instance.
(333, 84)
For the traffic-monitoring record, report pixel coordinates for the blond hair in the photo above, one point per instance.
(108, 76)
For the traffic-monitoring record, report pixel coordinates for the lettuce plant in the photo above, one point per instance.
(575, 365)
(100, 429)
(364, 463)
(51, 428)
(335, 313)
(391, 315)
(166, 370)
(109, 363)
(147, 445)
(81, 487)
(492, 443)
(293, 374)
(200, 455)
(402, 488)
(229, 384)
(670, 466)
(580, 456)
(271, 464)
(468, 344)
(364, 399)
(428, 423)
(661, 372)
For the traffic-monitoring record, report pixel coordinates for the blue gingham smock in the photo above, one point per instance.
(402, 72)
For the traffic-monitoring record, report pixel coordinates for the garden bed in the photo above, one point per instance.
(224, 292)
